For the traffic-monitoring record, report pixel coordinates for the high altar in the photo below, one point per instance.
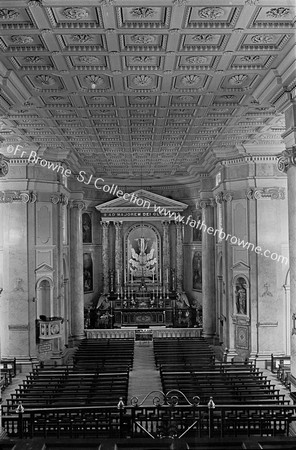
(142, 263)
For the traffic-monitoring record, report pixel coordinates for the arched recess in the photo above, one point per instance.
(44, 296)
(287, 326)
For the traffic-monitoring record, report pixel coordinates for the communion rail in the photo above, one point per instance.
(151, 421)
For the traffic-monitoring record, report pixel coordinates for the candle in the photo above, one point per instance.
(167, 275)
(132, 278)
(160, 275)
(153, 277)
(118, 278)
(124, 277)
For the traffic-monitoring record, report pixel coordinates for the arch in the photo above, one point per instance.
(44, 296)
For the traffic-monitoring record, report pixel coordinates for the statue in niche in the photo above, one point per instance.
(241, 296)
(196, 272)
(87, 272)
(86, 229)
(197, 232)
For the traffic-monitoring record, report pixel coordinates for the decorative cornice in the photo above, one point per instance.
(271, 193)
(287, 159)
(223, 197)
(17, 196)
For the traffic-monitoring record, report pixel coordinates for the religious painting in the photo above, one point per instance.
(142, 254)
(196, 272)
(86, 229)
(87, 272)
(241, 296)
(197, 232)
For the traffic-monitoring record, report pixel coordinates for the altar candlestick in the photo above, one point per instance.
(118, 279)
(160, 275)
(167, 275)
(132, 278)
(124, 277)
(152, 277)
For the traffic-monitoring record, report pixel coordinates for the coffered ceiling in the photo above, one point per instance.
(149, 87)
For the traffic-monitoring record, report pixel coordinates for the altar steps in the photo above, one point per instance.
(144, 377)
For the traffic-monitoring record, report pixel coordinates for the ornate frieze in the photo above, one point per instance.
(17, 196)
(287, 159)
(271, 193)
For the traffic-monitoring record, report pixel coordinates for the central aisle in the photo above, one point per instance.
(144, 377)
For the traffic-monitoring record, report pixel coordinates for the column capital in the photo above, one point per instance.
(118, 224)
(207, 202)
(79, 204)
(287, 159)
(223, 196)
(165, 223)
(105, 223)
(272, 193)
(4, 167)
(60, 198)
(18, 196)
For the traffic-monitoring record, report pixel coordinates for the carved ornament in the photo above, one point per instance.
(75, 13)
(286, 160)
(89, 59)
(21, 39)
(278, 13)
(79, 204)
(34, 59)
(262, 39)
(143, 12)
(143, 39)
(273, 193)
(46, 80)
(142, 80)
(223, 197)
(4, 167)
(17, 196)
(197, 59)
(82, 38)
(204, 38)
(211, 13)
(8, 14)
(189, 80)
(238, 79)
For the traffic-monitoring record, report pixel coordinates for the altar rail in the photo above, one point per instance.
(123, 333)
(173, 421)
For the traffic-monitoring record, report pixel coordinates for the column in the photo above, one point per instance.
(179, 262)
(105, 256)
(208, 270)
(287, 164)
(166, 253)
(118, 255)
(76, 253)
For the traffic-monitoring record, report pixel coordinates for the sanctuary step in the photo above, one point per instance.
(144, 377)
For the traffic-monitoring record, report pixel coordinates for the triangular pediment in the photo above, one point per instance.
(139, 201)
(240, 266)
(44, 268)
